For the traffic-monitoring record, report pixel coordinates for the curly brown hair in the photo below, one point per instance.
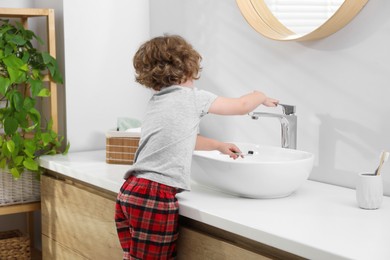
(165, 61)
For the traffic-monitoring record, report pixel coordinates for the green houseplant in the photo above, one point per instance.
(26, 136)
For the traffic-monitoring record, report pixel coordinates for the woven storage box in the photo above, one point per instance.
(26, 189)
(121, 147)
(14, 245)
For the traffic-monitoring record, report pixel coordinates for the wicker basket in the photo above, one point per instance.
(121, 147)
(25, 189)
(14, 245)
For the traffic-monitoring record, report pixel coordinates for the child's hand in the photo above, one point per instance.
(230, 149)
(270, 102)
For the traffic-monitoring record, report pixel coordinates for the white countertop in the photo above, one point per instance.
(319, 221)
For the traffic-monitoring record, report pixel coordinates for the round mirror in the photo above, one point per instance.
(300, 20)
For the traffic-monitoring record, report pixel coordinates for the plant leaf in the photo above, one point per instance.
(35, 115)
(4, 150)
(44, 93)
(13, 62)
(66, 149)
(10, 146)
(26, 57)
(17, 100)
(3, 163)
(51, 69)
(16, 68)
(52, 66)
(22, 119)
(36, 86)
(50, 124)
(15, 173)
(46, 138)
(30, 147)
(57, 77)
(17, 39)
(8, 49)
(14, 74)
(4, 84)
(30, 164)
(28, 103)
(18, 160)
(53, 134)
(5, 27)
(29, 153)
(10, 125)
(47, 58)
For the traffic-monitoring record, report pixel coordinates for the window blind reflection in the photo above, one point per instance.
(303, 16)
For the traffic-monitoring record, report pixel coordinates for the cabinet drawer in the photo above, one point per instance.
(79, 220)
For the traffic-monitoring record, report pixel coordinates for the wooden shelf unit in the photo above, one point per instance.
(24, 14)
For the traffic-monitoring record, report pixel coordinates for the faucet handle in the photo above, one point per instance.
(288, 109)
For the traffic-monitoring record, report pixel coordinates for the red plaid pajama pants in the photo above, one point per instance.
(146, 217)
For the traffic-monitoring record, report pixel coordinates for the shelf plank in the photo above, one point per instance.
(23, 12)
(20, 208)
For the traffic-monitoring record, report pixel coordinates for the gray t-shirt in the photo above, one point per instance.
(168, 135)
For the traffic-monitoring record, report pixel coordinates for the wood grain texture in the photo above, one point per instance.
(194, 245)
(263, 21)
(77, 220)
(262, 251)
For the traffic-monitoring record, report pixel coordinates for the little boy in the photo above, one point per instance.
(146, 209)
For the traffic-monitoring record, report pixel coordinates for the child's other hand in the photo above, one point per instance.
(230, 149)
(270, 102)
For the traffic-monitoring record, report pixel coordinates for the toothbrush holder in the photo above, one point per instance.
(369, 190)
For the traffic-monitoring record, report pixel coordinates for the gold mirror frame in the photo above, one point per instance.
(259, 16)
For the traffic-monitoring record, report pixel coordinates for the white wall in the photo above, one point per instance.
(101, 37)
(339, 84)
(96, 47)
(16, 4)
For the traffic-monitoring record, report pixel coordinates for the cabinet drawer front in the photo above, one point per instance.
(78, 219)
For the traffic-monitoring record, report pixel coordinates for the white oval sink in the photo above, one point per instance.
(271, 172)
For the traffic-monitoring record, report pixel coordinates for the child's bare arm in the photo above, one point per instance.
(241, 105)
(208, 144)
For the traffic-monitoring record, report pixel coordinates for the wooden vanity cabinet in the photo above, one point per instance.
(78, 223)
(198, 241)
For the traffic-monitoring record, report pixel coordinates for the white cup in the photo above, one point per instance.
(369, 191)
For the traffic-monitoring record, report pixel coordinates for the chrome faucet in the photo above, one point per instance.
(288, 122)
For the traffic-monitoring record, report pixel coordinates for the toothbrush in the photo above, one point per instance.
(383, 159)
(243, 154)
